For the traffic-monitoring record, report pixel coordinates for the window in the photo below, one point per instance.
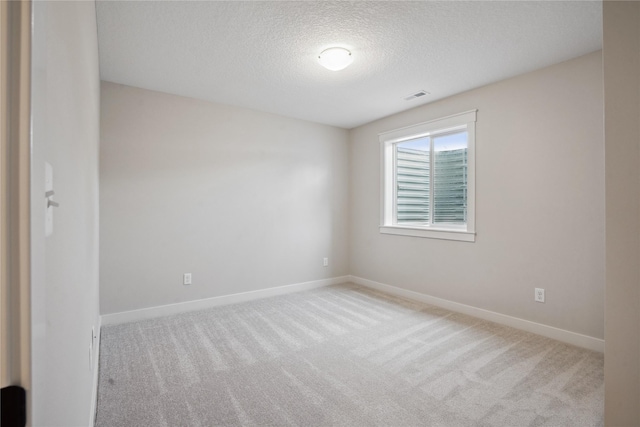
(428, 186)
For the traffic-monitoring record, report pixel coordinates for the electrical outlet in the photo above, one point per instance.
(186, 279)
(325, 262)
(539, 295)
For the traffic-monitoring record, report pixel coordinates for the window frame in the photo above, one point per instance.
(388, 199)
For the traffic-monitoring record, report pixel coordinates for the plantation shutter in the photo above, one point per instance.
(413, 189)
(412, 180)
(450, 187)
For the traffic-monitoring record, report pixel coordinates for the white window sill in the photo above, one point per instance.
(431, 233)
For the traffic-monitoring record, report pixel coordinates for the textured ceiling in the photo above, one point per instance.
(263, 55)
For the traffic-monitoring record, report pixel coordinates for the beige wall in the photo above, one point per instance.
(15, 157)
(241, 199)
(64, 298)
(621, 52)
(539, 202)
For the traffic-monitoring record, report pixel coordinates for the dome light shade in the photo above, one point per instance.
(335, 58)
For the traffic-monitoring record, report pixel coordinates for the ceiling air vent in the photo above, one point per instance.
(416, 95)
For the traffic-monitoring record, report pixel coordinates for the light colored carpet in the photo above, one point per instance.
(344, 356)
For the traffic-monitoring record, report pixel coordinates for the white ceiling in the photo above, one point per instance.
(263, 55)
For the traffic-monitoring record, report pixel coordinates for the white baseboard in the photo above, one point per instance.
(569, 337)
(95, 367)
(166, 310)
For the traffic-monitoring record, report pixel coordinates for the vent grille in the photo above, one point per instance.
(416, 95)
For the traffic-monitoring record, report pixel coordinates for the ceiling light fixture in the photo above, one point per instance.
(335, 58)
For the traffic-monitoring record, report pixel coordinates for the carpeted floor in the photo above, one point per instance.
(345, 356)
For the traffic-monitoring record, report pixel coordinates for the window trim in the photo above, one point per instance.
(388, 223)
